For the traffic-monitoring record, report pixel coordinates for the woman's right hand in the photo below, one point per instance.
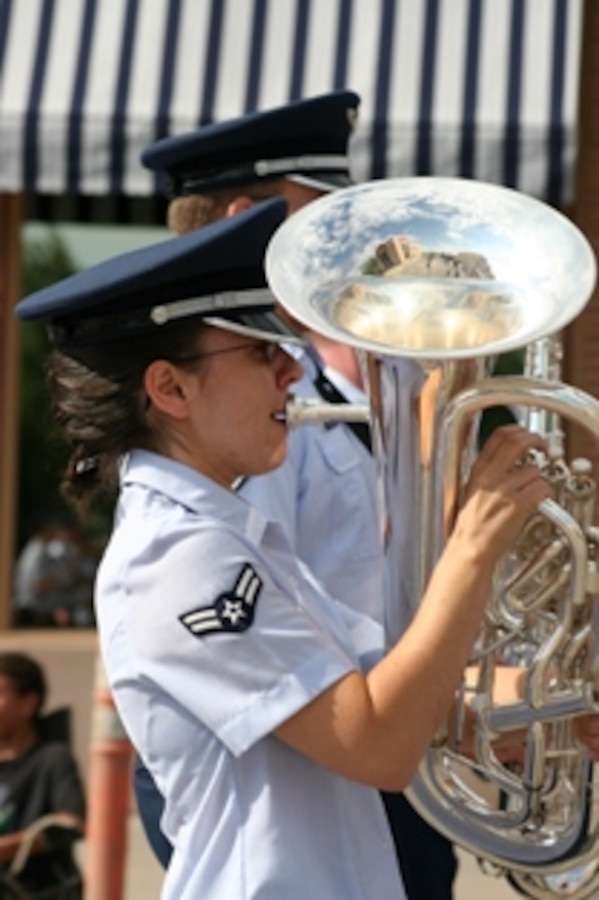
(504, 490)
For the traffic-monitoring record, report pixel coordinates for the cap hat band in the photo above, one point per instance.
(262, 168)
(321, 163)
(104, 326)
(213, 303)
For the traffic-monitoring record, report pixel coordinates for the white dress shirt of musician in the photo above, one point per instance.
(324, 496)
(201, 727)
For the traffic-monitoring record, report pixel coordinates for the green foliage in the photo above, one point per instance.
(43, 450)
(46, 259)
(511, 363)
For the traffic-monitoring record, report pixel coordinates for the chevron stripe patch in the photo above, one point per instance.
(232, 611)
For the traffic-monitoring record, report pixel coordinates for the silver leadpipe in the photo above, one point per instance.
(311, 411)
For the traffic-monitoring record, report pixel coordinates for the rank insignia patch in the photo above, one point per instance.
(232, 611)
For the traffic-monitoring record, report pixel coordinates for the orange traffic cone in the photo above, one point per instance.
(109, 793)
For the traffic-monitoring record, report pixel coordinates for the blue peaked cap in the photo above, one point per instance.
(306, 141)
(215, 272)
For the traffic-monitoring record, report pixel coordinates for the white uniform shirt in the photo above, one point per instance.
(325, 498)
(212, 635)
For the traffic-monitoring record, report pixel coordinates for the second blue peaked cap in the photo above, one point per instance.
(306, 141)
(215, 273)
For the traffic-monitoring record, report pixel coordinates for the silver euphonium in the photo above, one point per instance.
(431, 279)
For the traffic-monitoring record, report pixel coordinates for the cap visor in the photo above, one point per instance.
(264, 325)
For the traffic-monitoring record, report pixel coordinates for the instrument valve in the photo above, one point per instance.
(581, 467)
(593, 539)
(553, 467)
(580, 490)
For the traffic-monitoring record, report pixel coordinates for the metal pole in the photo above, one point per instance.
(10, 290)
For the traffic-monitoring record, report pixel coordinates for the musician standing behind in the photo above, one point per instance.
(324, 495)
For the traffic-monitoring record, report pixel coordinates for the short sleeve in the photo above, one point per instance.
(241, 677)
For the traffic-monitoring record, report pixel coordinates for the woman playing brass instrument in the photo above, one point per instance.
(266, 713)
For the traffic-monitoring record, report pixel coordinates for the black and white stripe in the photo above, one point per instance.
(480, 88)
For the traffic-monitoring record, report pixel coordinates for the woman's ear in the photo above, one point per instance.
(238, 205)
(166, 386)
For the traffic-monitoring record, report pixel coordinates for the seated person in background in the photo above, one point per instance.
(54, 577)
(37, 778)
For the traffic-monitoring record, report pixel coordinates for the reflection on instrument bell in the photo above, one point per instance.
(388, 265)
(430, 279)
(410, 314)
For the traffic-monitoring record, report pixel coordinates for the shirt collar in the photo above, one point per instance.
(185, 486)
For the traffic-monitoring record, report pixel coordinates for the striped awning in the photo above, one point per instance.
(479, 88)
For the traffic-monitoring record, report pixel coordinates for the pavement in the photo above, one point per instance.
(69, 658)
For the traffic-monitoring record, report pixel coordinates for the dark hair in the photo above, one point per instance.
(99, 402)
(25, 675)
